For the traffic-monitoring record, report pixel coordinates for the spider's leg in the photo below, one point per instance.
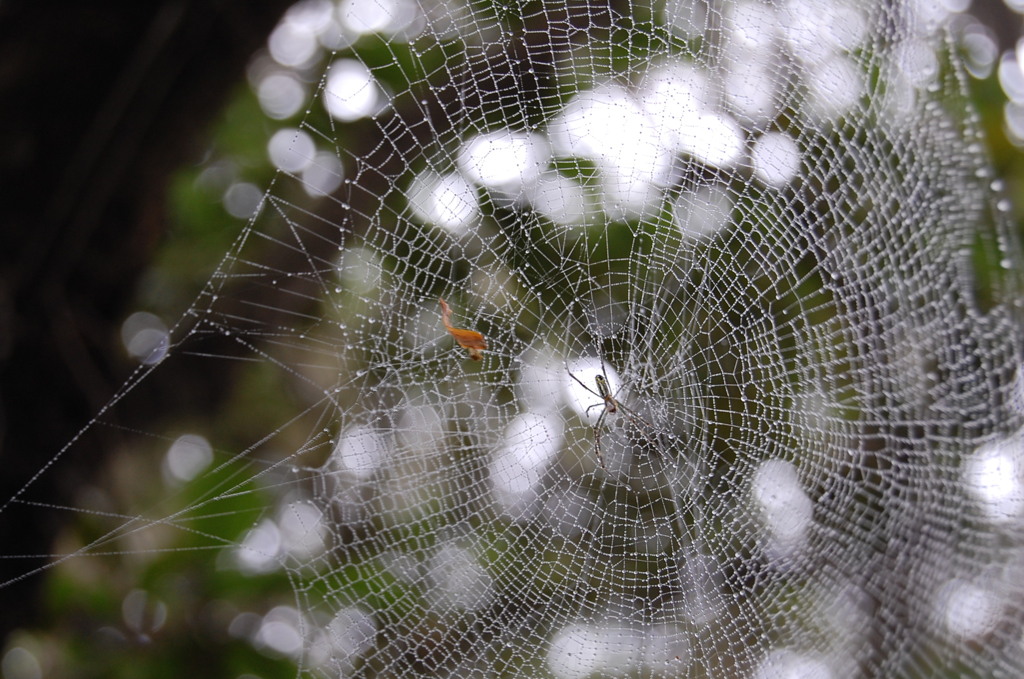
(579, 381)
(597, 450)
(597, 440)
(635, 418)
(589, 390)
(645, 429)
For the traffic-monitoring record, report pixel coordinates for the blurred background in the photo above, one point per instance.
(137, 142)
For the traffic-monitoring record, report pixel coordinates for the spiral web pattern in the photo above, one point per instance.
(768, 226)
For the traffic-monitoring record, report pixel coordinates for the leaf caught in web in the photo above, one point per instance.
(470, 340)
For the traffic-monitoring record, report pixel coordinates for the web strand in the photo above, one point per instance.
(765, 228)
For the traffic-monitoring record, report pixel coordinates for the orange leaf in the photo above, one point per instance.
(470, 340)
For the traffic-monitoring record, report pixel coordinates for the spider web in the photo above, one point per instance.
(769, 226)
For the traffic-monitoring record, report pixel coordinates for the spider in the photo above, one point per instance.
(611, 406)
